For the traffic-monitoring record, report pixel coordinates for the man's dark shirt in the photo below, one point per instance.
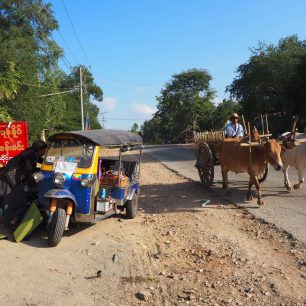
(20, 167)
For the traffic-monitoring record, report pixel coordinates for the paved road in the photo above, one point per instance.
(284, 209)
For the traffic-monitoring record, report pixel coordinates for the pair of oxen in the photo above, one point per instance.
(238, 156)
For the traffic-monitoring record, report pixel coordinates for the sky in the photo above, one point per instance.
(134, 47)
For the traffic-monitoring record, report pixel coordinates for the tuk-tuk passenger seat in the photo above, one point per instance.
(128, 167)
(108, 164)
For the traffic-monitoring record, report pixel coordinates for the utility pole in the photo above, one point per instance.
(81, 96)
(103, 119)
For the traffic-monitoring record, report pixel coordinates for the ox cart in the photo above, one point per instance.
(207, 157)
(235, 158)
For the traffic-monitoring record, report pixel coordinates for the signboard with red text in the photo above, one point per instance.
(13, 140)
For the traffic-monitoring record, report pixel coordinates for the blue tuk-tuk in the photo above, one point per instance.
(88, 176)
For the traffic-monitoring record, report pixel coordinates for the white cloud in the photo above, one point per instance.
(143, 109)
(109, 103)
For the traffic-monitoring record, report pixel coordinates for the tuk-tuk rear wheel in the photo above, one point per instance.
(132, 207)
(57, 227)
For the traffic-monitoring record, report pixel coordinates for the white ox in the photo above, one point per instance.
(295, 157)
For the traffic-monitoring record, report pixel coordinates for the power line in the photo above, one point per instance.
(58, 93)
(62, 37)
(32, 85)
(65, 62)
(103, 119)
(41, 86)
(129, 84)
(127, 119)
(63, 58)
(66, 59)
(76, 35)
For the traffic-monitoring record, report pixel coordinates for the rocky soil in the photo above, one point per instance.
(175, 252)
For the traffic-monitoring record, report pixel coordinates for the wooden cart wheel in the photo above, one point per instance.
(205, 165)
(262, 177)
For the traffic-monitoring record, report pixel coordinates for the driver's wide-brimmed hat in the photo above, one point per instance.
(234, 115)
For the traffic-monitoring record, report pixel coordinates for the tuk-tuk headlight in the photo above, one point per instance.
(86, 182)
(59, 180)
(38, 176)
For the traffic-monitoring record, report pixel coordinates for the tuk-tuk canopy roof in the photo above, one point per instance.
(105, 137)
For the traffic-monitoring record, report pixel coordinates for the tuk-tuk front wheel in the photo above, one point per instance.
(57, 228)
(132, 207)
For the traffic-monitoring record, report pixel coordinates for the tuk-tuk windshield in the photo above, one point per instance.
(70, 150)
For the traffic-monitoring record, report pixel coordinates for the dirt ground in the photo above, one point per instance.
(174, 253)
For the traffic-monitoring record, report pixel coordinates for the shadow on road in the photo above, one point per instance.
(181, 197)
(169, 198)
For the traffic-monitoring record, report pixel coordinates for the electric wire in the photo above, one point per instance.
(129, 84)
(67, 90)
(63, 58)
(75, 33)
(126, 119)
(57, 93)
(33, 85)
(66, 62)
(62, 37)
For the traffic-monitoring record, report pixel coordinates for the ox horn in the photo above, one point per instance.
(293, 129)
(289, 140)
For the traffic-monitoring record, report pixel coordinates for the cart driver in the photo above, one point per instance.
(233, 129)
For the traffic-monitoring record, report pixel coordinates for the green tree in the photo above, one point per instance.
(266, 83)
(4, 115)
(185, 103)
(28, 62)
(222, 113)
(72, 114)
(297, 85)
(30, 76)
(135, 128)
(151, 131)
(9, 81)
